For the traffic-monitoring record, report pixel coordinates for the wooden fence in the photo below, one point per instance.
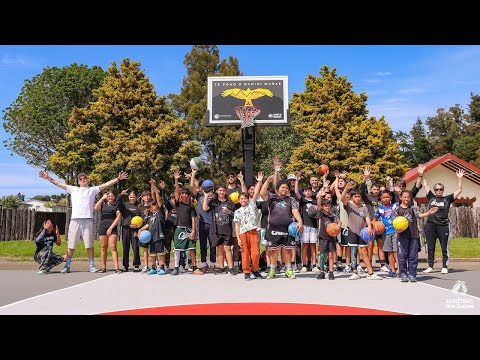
(22, 224)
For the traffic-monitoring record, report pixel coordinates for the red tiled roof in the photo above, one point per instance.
(451, 162)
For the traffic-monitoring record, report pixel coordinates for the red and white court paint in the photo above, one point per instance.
(187, 294)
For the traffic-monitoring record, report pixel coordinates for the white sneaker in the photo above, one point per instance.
(359, 269)
(347, 269)
(444, 271)
(354, 276)
(428, 270)
(316, 270)
(384, 269)
(374, 277)
(145, 270)
(304, 269)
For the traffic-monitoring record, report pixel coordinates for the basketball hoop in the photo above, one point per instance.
(247, 114)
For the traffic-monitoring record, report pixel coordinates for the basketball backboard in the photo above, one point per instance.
(228, 96)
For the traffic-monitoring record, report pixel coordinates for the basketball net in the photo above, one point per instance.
(247, 114)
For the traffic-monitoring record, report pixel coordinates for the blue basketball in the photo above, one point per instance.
(145, 236)
(364, 235)
(292, 229)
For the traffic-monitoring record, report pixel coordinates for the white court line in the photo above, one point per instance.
(449, 290)
(52, 292)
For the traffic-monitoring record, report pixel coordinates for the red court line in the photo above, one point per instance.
(254, 309)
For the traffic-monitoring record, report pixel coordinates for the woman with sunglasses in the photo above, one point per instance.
(438, 224)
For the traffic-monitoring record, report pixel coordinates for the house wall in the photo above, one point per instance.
(449, 179)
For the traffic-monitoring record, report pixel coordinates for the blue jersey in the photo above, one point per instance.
(385, 212)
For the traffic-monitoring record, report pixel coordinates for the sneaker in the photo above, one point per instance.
(347, 269)
(354, 276)
(237, 269)
(257, 275)
(412, 278)
(338, 266)
(283, 269)
(135, 269)
(65, 270)
(359, 269)
(42, 272)
(295, 268)
(331, 276)
(271, 274)
(232, 271)
(428, 270)
(92, 269)
(374, 277)
(404, 278)
(290, 274)
(321, 276)
(125, 269)
(161, 272)
(277, 270)
(219, 271)
(384, 269)
(247, 276)
(304, 269)
(391, 274)
(145, 269)
(174, 272)
(152, 271)
(444, 271)
(316, 269)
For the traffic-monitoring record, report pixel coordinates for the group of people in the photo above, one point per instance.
(263, 214)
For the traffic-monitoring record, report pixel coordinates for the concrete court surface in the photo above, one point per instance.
(25, 292)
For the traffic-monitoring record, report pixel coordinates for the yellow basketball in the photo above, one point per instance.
(400, 223)
(234, 197)
(137, 220)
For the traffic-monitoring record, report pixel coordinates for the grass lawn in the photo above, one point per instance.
(23, 250)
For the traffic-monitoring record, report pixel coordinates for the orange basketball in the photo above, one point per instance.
(323, 169)
(333, 229)
(378, 227)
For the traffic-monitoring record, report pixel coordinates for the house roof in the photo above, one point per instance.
(451, 162)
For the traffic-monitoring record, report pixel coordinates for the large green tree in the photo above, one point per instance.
(221, 146)
(334, 128)
(414, 146)
(38, 119)
(128, 128)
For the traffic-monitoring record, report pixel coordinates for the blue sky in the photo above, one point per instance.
(402, 82)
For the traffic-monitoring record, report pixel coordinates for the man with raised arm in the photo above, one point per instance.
(81, 223)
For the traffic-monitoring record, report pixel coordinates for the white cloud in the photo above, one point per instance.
(395, 100)
(372, 81)
(384, 73)
(411, 91)
(9, 60)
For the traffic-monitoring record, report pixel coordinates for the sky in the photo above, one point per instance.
(402, 82)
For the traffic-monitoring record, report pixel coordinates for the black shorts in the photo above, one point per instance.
(343, 236)
(356, 240)
(157, 247)
(219, 239)
(102, 229)
(279, 239)
(327, 245)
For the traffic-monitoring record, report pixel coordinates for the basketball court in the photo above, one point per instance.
(84, 293)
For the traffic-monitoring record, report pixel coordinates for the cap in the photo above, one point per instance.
(231, 173)
(291, 177)
(80, 175)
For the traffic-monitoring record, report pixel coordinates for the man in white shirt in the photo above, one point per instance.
(81, 223)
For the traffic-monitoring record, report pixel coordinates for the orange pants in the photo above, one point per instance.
(250, 250)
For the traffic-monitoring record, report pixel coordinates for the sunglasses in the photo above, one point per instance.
(82, 178)
(439, 189)
(230, 177)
